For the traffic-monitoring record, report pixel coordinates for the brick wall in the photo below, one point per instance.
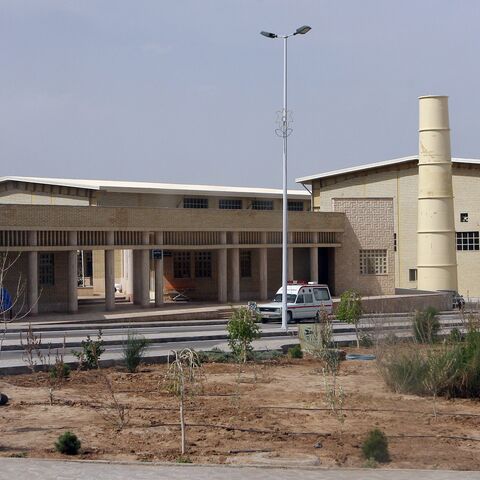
(369, 225)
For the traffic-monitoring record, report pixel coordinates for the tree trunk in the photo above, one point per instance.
(182, 422)
(356, 335)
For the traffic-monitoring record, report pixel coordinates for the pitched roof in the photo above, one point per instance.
(165, 188)
(371, 166)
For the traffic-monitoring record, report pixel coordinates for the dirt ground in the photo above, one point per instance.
(275, 414)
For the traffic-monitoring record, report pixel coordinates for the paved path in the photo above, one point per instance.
(31, 469)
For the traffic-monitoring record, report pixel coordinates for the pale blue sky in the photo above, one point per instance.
(187, 90)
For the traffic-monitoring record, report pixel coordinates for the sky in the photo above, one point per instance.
(186, 91)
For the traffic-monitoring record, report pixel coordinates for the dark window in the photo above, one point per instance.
(46, 269)
(394, 242)
(194, 202)
(464, 217)
(300, 299)
(181, 264)
(203, 264)
(262, 205)
(412, 275)
(308, 298)
(230, 204)
(246, 264)
(467, 241)
(295, 206)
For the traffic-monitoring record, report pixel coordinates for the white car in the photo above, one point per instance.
(304, 300)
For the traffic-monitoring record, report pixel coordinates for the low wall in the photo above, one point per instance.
(405, 302)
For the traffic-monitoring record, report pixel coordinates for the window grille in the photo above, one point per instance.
(467, 241)
(262, 205)
(195, 202)
(295, 206)
(245, 264)
(373, 262)
(230, 204)
(181, 264)
(203, 264)
(46, 269)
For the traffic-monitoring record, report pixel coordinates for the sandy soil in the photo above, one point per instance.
(276, 414)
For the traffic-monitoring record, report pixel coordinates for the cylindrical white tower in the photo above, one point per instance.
(436, 250)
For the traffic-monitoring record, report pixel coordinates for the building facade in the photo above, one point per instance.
(398, 179)
(69, 238)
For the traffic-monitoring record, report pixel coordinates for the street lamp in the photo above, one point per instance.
(284, 131)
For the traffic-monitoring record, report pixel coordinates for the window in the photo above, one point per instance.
(394, 242)
(464, 217)
(245, 264)
(230, 204)
(203, 264)
(181, 264)
(46, 269)
(373, 262)
(262, 205)
(295, 206)
(412, 275)
(195, 202)
(299, 299)
(308, 298)
(321, 294)
(467, 241)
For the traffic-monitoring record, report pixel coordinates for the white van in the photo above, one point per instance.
(304, 300)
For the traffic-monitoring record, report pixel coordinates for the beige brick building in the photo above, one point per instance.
(152, 241)
(398, 179)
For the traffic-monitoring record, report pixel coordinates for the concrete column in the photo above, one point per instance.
(136, 277)
(72, 274)
(436, 244)
(159, 273)
(222, 270)
(145, 271)
(263, 268)
(235, 269)
(127, 284)
(290, 258)
(314, 259)
(110, 274)
(32, 279)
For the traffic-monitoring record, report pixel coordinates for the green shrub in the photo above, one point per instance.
(366, 340)
(403, 369)
(455, 335)
(467, 380)
(242, 329)
(59, 371)
(452, 370)
(295, 351)
(216, 355)
(68, 444)
(375, 447)
(133, 351)
(266, 355)
(90, 352)
(349, 310)
(426, 325)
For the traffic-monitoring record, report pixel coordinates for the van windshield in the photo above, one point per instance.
(290, 298)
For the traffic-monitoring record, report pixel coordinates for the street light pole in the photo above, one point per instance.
(284, 131)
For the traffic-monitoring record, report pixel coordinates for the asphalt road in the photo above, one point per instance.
(31, 469)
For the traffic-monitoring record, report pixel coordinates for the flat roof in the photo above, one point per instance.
(371, 166)
(159, 188)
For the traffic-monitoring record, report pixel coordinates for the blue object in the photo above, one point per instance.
(5, 300)
(359, 356)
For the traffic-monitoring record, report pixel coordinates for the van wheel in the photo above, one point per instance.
(289, 317)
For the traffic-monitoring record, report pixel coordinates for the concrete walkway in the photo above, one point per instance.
(31, 469)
